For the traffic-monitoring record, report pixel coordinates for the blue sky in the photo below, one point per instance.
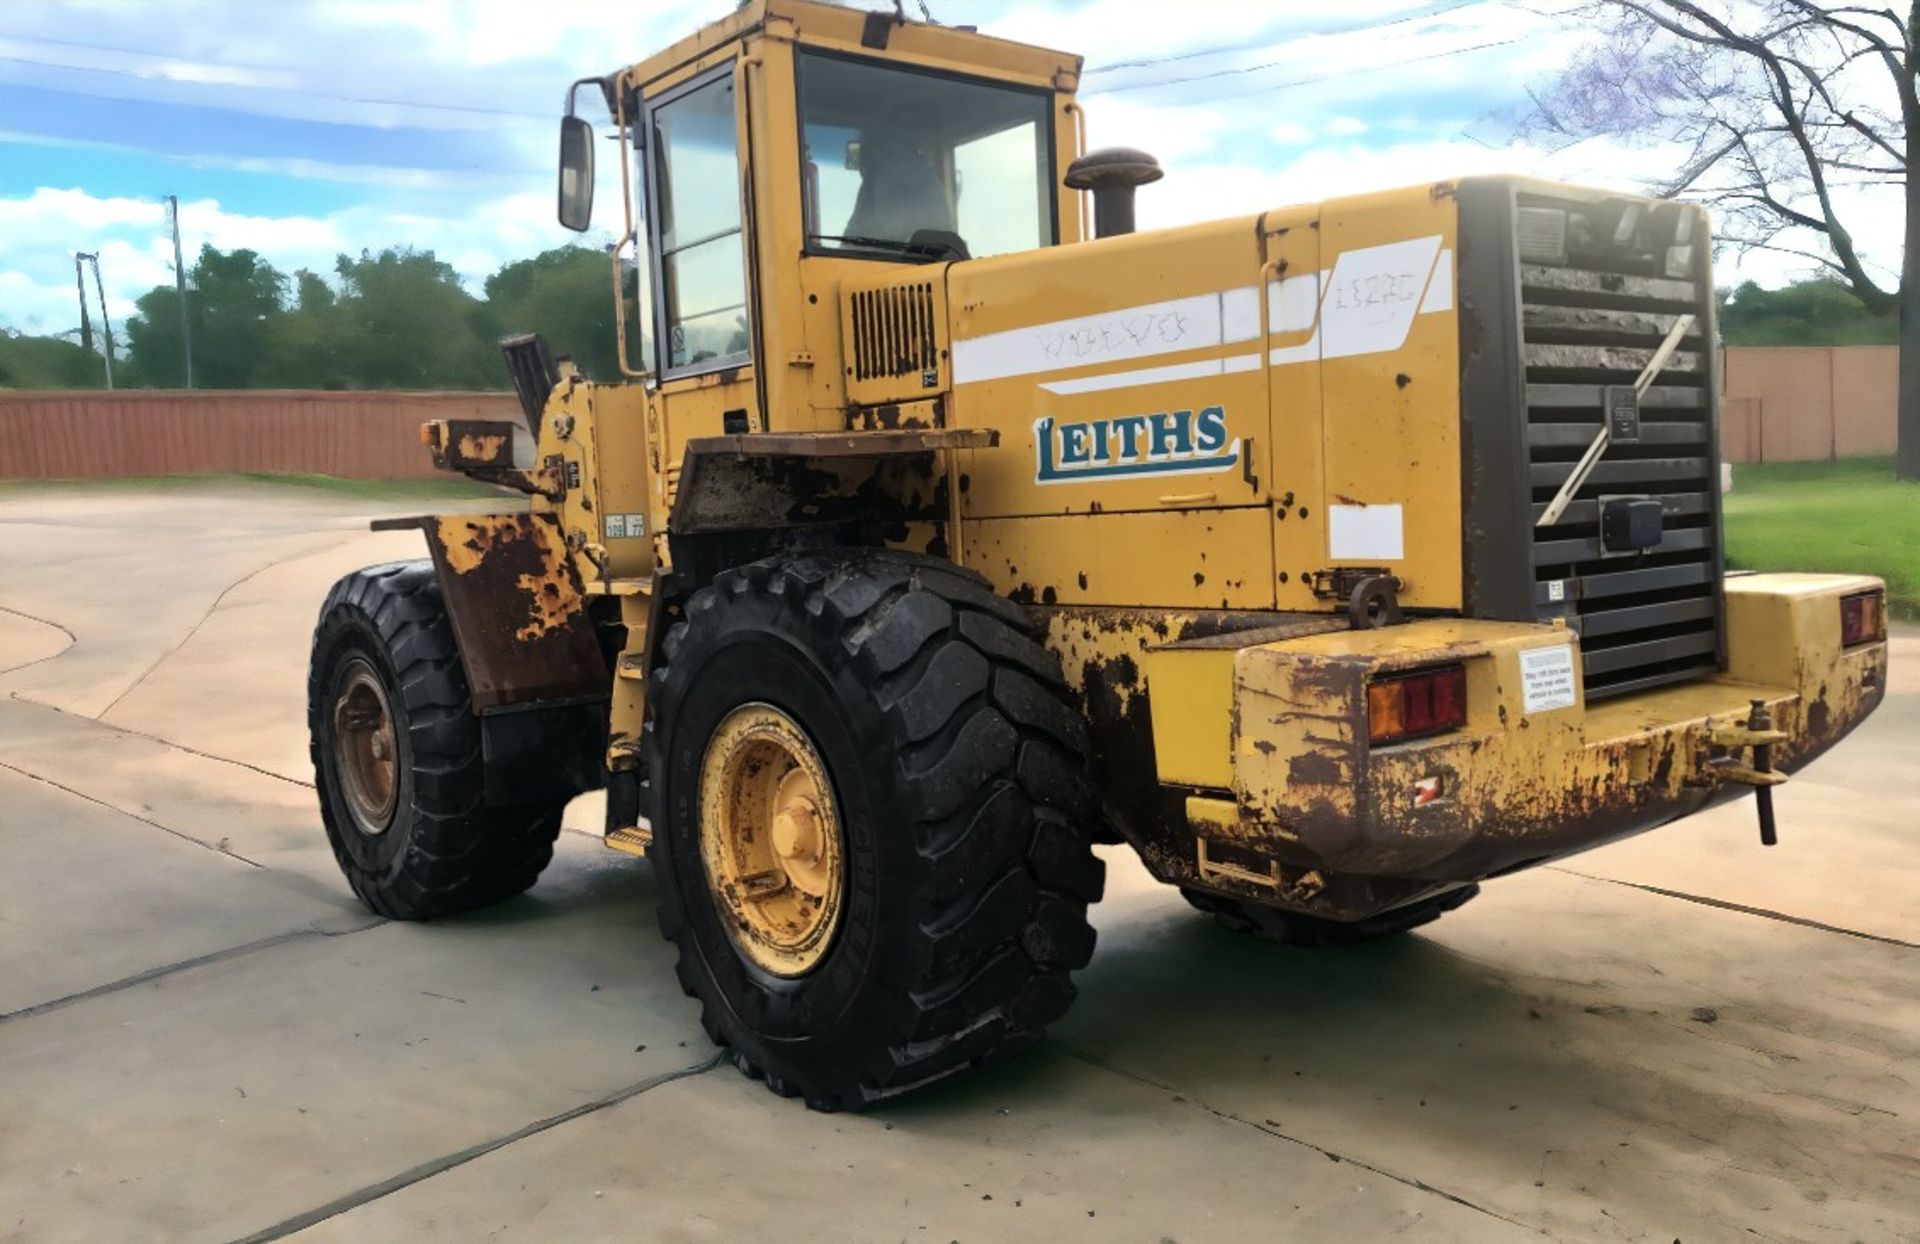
(304, 128)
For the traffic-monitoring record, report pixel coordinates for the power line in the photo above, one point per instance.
(1237, 71)
(1325, 77)
(149, 53)
(281, 90)
(1201, 53)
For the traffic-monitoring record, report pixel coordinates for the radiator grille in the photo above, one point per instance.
(894, 332)
(1590, 321)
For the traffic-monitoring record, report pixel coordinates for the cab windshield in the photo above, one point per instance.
(912, 165)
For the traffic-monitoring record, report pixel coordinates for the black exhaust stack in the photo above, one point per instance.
(1113, 174)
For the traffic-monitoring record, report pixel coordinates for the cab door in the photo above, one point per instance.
(704, 334)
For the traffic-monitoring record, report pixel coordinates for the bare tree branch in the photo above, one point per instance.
(1767, 100)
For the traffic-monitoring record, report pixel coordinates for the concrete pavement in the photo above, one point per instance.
(203, 1036)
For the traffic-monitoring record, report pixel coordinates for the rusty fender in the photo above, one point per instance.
(518, 609)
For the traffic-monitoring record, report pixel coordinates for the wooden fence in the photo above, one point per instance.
(88, 435)
(1808, 403)
(1781, 404)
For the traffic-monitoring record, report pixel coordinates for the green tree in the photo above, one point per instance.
(396, 319)
(566, 294)
(408, 324)
(233, 299)
(47, 363)
(236, 297)
(1807, 313)
(307, 347)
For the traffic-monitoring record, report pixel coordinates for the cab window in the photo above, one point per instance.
(697, 236)
(913, 165)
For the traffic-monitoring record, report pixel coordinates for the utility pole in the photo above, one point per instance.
(86, 324)
(106, 324)
(180, 285)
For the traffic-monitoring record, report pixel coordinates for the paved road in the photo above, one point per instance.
(203, 1037)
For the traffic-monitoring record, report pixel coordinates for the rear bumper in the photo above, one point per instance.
(1304, 813)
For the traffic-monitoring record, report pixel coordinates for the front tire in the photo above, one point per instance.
(918, 911)
(397, 759)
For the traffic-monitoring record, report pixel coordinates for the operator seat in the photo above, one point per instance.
(900, 193)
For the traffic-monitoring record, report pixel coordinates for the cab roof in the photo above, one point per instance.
(873, 33)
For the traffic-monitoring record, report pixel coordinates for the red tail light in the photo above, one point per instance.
(1863, 618)
(1416, 704)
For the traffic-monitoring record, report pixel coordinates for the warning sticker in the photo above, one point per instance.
(625, 526)
(1546, 679)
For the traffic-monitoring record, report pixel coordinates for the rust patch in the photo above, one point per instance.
(483, 448)
(1819, 716)
(1314, 769)
(467, 541)
(518, 608)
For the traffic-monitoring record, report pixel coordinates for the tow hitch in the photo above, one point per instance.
(1757, 733)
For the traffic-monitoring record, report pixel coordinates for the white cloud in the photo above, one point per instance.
(457, 64)
(1367, 109)
(40, 232)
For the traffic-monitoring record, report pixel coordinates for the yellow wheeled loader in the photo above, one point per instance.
(941, 526)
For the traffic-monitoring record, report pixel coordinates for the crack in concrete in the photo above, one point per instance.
(215, 956)
(1185, 1095)
(144, 820)
(205, 617)
(1765, 913)
(164, 742)
(72, 639)
(436, 1166)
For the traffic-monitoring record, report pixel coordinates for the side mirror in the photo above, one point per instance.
(576, 173)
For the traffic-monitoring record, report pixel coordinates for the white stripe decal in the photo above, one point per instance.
(1368, 301)
(1239, 314)
(1118, 336)
(1294, 303)
(1113, 337)
(1373, 295)
(1153, 375)
(1365, 304)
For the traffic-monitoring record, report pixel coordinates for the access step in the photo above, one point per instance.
(634, 839)
(619, 587)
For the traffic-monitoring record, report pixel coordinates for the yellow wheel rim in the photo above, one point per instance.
(770, 839)
(365, 750)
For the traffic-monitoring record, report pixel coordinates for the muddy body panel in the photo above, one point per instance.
(1266, 788)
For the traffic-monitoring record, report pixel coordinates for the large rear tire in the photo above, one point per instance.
(397, 758)
(1315, 933)
(871, 823)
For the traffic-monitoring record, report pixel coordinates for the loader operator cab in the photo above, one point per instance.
(762, 173)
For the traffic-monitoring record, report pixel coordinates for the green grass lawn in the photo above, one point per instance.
(1850, 517)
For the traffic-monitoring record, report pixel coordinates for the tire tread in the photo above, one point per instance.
(459, 853)
(1001, 812)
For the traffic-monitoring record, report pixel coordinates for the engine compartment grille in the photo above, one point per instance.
(1592, 316)
(894, 332)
